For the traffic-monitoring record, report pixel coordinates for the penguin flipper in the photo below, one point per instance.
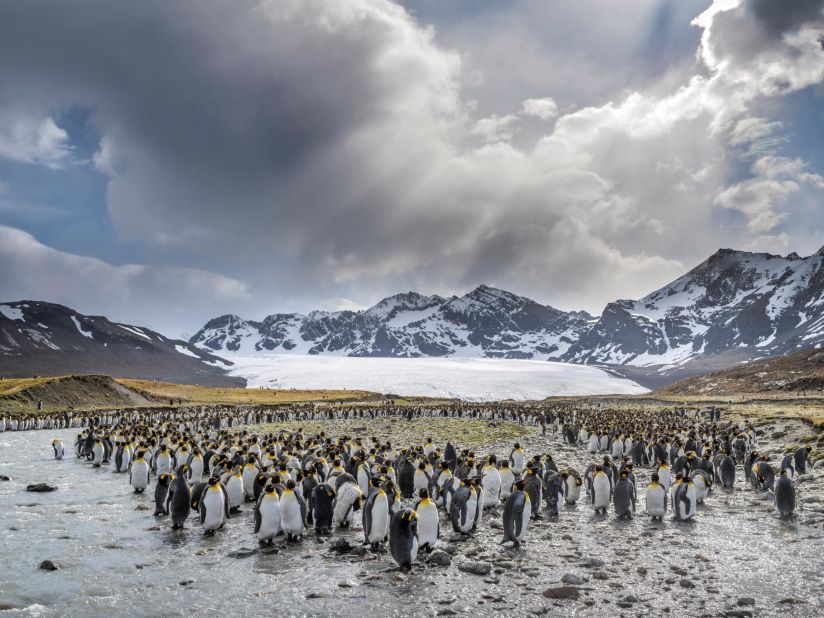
(258, 519)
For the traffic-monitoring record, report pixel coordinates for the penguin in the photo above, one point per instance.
(664, 474)
(491, 482)
(802, 457)
(403, 537)
(553, 492)
(292, 512)
(429, 525)
(478, 490)
(461, 512)
(196, 466)
(348, 500)
(161, 491)
(233, 483)
(375, 518)
(98, 451)
(656, 498)
(683, 499)
(406, 479)
(267, 516)
(421, 479)
(213, 507)
(122, 458)
(516, 515)
(323, 509)
(601, 490)
(784, 495)
(179, 500)
(197, 494)
(572, 483)
(726, 471)
(623, 497)
(507, 480)
(428, 448)
(139, 473)
(57, 446)
(163, 461)
(533, 485)
(703, 482)
(763, 475)
(517, 459)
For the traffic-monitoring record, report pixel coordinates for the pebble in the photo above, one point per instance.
(3, 477)
(592, 563)
(641, 571)
(476, 568)
(141, 507)
(746, 601)
(572, 579)
(562, 592)
(440, 558)
(811, 499)
(819, 464)
(185, 582)
(686, 583)
(40, 488)
(48, 565)
(318, 595)
(348, 583)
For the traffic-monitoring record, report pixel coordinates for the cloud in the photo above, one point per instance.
(545, 108)
(346, 150)
(29, 138)
(171, 299)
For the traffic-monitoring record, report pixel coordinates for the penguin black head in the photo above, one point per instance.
(270, 488)
(213, 481)
(424, 493)
(422, 466)
(290, 484)
(599, 468)
(519, 485)
(654, 478)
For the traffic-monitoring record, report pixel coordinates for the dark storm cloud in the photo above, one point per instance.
(316, 149)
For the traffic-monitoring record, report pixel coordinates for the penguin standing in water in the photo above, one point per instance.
(516, 515)
(802, 457)
(57, 446)
(376, 518)
(683, 499)
(348, 500)
(601, 490)
(403, 537)
(139, 474)
(179, 500)
(429, 525)
(623, 498)
(323, 508)
(656, 498)
(784, 495)
(292, 512)
(122, 458)
(161, 492)
(98, 451)
(267, 516)
(553, 492)
(214, 507)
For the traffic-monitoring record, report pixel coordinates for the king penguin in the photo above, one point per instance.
(784, 495)
(403, 537)
(267, 515)
(179, 500)
(656, 498)
(516, 515)
(139, 474)
(429, 526)
(214, 507)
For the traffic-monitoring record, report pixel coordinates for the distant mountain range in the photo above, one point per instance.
(736, 306)
(38, 338)
(733, 308)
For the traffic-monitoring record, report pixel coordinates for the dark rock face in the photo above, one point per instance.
(47, 339)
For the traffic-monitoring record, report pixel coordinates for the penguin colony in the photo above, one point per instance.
(296, 481)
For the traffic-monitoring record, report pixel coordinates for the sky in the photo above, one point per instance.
(166, 161)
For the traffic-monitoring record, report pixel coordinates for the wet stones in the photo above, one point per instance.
(572, 579)
(40, 488)
(48, 565)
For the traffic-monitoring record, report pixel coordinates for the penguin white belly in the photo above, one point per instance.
(234, 489)
(656, 499)
(140, 475)
(248, 478)
(664, 478)
(525, 517)
(421, 481)
(344, 512)
(471, 508)
(573, 491)
(492, 487)
(196, 470)
(164, 464)
(428, 525)
(604, 442)
(380, 520)
(617, 449)
(213, 505)
(507, 481)
(413, 551)
(363, 481)
(592, 447)
(97, 453)
(58, 450)
(269, 518)
(601, 492)
(291, 518)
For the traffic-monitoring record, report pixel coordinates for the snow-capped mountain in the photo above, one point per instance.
(48, 339)
(483, 323)
(735, 306)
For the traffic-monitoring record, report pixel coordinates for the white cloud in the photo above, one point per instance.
(545, 108)
(495, 129)
(168, 299)
(28, 138)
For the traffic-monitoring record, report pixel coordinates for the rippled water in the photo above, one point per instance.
(116, 561)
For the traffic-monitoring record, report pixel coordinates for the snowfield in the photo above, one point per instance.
(472, 379)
